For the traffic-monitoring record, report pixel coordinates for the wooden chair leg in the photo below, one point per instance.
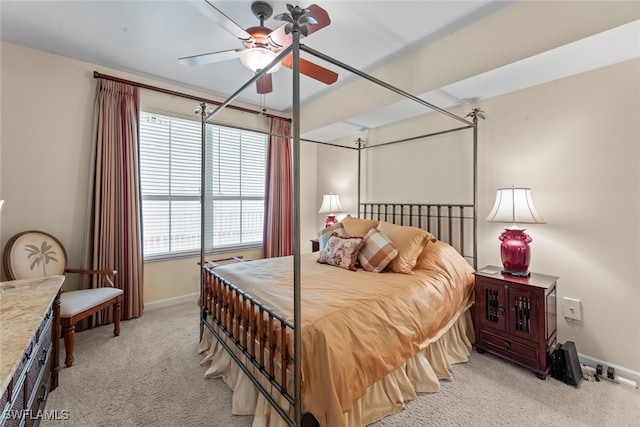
(69, 341)
(117, 307)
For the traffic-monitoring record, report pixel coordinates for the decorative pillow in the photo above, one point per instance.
(437, 255)
(442, 257)
(323, 236)
(410, 241)
(358, 226)
(341, 251)
(377, 251)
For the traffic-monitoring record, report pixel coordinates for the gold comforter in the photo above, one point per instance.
(358, 326)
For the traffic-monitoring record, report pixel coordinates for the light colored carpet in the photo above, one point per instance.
(150, 376)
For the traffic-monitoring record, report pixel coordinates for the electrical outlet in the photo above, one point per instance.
(572, 308)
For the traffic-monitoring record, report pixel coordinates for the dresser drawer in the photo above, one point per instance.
(30, 361)
(39, 366)
(44, 330)
(29, 387)
(15, 388)
(40, 389)
(512, 350)
(15, 407)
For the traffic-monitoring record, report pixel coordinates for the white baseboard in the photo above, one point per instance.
(627, 376)
(172, 301)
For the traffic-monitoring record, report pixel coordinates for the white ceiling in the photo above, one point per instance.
(606, 48)
(147, 37)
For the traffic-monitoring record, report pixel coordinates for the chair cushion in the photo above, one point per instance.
(74, 302)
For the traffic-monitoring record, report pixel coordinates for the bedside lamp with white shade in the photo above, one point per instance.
(515, 205)
(331, 206)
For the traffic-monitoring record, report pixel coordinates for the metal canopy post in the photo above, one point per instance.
(297, 324)
(294, 49)
(203, 130)
(360, 143)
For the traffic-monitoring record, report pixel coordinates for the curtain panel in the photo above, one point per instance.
(278, 218)
(115, 224)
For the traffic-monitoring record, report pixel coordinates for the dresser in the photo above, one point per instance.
(515, 318)
(29, 348)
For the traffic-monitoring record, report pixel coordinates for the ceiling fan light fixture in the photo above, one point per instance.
(258, 58)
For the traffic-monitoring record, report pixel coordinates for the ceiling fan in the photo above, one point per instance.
(261, 44)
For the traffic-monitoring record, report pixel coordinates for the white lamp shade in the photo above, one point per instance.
(514, 205)
(257, 58)
(330, 204)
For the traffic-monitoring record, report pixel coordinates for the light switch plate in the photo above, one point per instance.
(572, 308)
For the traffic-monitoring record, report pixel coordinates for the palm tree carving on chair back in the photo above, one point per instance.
(33, 254)
(44, 254)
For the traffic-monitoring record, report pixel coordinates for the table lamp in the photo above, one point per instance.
(330, 205)
(515, 205)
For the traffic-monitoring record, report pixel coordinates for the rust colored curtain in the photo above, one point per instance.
(115, 236)
(278, 217)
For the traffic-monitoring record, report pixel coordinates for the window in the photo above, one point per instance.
(170, 150)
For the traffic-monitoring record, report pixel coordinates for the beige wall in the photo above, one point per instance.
(47, 105)
(575, 143)
(46, 139)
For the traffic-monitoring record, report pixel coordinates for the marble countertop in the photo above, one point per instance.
(23, 304)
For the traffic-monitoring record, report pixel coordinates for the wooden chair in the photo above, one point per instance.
(33, 254)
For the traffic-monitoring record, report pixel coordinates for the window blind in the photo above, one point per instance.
(170, 182)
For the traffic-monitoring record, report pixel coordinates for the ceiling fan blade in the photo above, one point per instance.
(216, 15)
(279, 36)
(210, 58)
(264, 84)
(312, 70)
(320, 15)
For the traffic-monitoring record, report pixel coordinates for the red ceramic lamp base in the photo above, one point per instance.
(331, 219)
(515, 252)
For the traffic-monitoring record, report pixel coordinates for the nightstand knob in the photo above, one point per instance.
(507, 344)
(501, 310)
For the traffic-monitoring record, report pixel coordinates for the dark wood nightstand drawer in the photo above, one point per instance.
(510, 349)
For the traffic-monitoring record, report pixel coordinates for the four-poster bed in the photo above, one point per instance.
(367, 341)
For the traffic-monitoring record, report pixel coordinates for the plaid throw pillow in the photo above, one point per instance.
(377, 251)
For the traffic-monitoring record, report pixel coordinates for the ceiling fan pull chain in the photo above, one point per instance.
(262, 104)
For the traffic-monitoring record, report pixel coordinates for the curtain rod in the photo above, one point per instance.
(97, 75)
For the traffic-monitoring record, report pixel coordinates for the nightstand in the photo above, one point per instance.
(315, 245)
(515, 318)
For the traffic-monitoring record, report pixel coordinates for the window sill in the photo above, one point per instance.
(196, 254)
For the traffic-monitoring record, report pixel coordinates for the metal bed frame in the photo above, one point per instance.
(244, 325)
(447, 222)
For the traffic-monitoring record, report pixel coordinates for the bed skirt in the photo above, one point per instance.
(421, 373)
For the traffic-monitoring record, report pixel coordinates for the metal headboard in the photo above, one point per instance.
(451, 223)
